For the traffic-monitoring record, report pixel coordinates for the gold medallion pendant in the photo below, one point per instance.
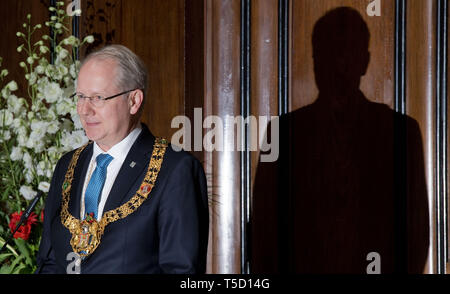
(87, 233)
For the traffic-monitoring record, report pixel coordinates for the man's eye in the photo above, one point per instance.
(98, 98)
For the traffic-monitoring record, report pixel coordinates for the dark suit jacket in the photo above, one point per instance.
(168, 233)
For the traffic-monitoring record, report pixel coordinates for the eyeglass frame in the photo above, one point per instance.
(103, 99)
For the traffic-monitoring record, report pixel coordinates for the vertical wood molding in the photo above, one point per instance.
(400, 56)
(222, 90)
(400, 138)
(245, 94)
(441, 136)
(283, 56)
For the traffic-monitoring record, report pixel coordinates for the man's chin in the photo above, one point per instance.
(92, 136)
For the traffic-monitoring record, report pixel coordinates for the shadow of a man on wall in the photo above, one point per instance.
(350, 177)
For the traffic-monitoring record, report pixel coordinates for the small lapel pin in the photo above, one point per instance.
(132, 164)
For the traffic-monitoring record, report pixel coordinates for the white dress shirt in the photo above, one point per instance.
(119, 152)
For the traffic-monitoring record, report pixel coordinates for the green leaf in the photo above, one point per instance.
(8, 269)
(19, 268)
(4, 256)
(10, 248)
(23, 249)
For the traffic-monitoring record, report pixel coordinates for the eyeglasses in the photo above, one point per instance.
(96, 100)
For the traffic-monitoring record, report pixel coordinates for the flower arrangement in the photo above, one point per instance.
(35, 131)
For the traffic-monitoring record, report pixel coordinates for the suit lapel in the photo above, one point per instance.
(78, 180)
(132, 168)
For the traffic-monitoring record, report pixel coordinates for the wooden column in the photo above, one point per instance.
(222, 99)
(420, 95)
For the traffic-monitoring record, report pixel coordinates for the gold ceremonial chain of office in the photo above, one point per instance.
(87, 233)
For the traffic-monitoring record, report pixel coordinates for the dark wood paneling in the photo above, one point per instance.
(264, 62)
(194, 61)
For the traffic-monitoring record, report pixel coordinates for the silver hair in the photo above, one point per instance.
(132, 72)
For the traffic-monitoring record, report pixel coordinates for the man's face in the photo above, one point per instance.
(110, 123)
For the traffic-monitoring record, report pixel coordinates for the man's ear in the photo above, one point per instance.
(135, 101)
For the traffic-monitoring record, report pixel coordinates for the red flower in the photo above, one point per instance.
(25, 229)
(42, 216)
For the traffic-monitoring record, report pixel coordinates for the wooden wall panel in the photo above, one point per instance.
(264, 64)
(338, 169)
(377, 84)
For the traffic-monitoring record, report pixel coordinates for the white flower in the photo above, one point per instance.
(22, 140)
(4, 72)
(78, 139)
(21, 130)
(16, 153)
(39, 69)
(12, 86)
(6, 117)
(76, 120)
(30, 60)
(73, 140)
(41, 168)
(42, 82)
(53, 127)
(67, 80)
(44, 187)
(17, 123)
(73, 71)
(39, 146)
(27, 161)
(27, 192)
(71, 40)
(89, 39)
(32, 79)
(43, 49)
(29, 177)
(63, 53)
(15, 104)
(52, 72)
(52, 92)
(39, 125)
(30, 115)
(6, 92)
(63, 107)
(5, 135)
(51, 115)
(62, 69)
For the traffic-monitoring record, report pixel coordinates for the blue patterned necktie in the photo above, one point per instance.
(96, 183)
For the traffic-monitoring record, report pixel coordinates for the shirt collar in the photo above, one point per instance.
(120, 150)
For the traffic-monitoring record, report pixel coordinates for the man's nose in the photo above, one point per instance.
(84, 107)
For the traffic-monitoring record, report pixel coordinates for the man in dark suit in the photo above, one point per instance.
(126, 202)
